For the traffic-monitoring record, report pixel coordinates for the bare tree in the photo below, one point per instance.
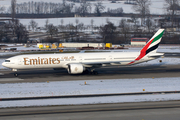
(2, 9)
(149, 23)
(108, 32)
(92, 22)
(134, 19)
(71, 28)
(52, 30)
(125, 28)
(6, 32)
(33, 24)
(64, 2)
(77, 22)
(84, 8)
(107, 20)
(13, 13)
(80, 26)
(13, 9)
(61, 27)
(62, 21)
(46, 24)
(44, 7)
(38, 8)
(98, 8)
(172, 7)
(142, 7)
(2, 33)
(20, 32)
(77, 29)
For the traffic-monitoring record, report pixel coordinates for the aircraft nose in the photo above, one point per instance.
(3, 64)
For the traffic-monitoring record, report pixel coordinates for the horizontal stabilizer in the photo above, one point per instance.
(156, 55)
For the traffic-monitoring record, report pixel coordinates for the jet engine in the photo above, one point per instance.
(75, 68)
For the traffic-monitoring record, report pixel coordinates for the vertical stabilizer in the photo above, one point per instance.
(153, 43)
(151, 46)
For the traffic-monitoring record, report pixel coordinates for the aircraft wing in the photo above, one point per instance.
(101, 64)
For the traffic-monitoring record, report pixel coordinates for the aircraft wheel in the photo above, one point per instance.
(95, 72)
(86, 72)
(15, 74)
(90, 73)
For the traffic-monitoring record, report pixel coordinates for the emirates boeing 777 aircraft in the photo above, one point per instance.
(77, 63)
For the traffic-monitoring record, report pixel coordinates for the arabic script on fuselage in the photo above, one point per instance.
(41, 61)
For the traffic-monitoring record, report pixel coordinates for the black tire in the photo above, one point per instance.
(90, 73)
(86, 72)
(15, 74)
(95, 72)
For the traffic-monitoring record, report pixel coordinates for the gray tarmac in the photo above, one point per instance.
(128, 72)
(168, 110)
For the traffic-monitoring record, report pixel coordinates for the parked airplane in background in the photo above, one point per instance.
(77, 63)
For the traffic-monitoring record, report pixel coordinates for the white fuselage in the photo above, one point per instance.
(62, 60)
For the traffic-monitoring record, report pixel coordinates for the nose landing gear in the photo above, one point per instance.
(15, 74)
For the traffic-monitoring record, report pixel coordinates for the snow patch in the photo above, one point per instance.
(10, 90)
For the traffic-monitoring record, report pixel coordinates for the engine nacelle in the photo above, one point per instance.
(75, 68)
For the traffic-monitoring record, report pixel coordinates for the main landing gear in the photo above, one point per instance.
(94, 72)
(90, 72)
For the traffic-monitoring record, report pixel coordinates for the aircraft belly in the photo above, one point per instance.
(37, 66)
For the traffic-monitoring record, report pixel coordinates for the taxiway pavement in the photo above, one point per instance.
(128, 72)
(167, 110)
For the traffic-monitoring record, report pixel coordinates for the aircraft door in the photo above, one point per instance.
(19, 61)
(80, 59)
(110, 58)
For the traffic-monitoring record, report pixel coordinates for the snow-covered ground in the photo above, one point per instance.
(72, 20)
(157, 7)
(8, 53)
(10, 90)
(9, 44)
(82, 101)
(21, 48)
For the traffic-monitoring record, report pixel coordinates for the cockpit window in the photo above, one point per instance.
(7, 60)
